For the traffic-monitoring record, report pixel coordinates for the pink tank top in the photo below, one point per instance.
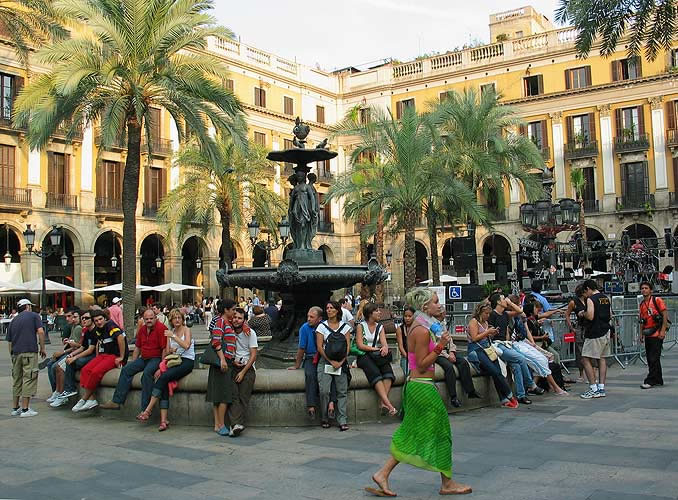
(412, 360)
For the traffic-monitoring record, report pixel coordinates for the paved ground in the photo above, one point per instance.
(622, 447)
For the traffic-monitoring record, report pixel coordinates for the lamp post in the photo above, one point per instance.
(547, 218)
(114, 257)
(56, 242)
(254, 229)
(8, 256)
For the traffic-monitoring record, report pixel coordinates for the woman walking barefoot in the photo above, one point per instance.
(424, 439)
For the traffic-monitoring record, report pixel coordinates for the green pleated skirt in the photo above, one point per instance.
(424, 439)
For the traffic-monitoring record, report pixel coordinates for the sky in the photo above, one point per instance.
(340, 33)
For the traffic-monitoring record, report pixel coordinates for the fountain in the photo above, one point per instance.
(303, 279)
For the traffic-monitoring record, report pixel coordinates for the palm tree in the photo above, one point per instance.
(652, 25)
(407, 177)
(578, 182)
(234, 184)
(130, 57)
(478, 148)
(29, 22)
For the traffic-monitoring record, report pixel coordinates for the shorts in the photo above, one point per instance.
(596, 348)
(24, 374)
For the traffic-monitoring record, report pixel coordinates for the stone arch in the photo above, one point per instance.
(328, 254)
(152, 246)
(192, 260)
(641, 231)
(107, 244)
(101, 231)
(11, 240)
(73, 234)
(496, 254)
(167, 248)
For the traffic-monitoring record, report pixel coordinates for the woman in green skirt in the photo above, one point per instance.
(424, 439)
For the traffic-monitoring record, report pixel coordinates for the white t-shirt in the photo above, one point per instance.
(369, 335)
(346, 315)
(324, 329)
(243, 344)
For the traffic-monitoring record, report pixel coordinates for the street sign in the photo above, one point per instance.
(455, 293)
(459, 329)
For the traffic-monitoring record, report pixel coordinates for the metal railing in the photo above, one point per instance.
(673, 199)
(325, 227)
(159, 147)
(63, 201)
(635, 202)
(6, 124)
(117, 145)
(591, 206)
(672, 137)
(581, 150)
(629, 144)
(110, 205)
(15, 196)
(63, 131)
(150, 210)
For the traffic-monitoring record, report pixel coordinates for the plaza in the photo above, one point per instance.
(622, 447)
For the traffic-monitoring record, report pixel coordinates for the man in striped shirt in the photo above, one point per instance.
(222, 338)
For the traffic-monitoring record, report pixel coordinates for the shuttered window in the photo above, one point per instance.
(155, 124)
(581, 129)
(627, 69)
(538, 134)
(259, 97)
(320, 114)
(401, 105)
(578, 78)
(533, 85)
(156, 186)
(288, 105)
(109, 180)
(9, 88)
(229, 85)
(630, 122)
(671, 115)
(635, 182)
(7, 174)
(260, 138)
(58, 177)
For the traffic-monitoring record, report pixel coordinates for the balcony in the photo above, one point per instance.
(672, 138)
(591, 206)
(673, 200)
(117, 145)
(108, 205)
(325, 227)
(545, 153)
(631, 144)
(150, 210)
(574, 151)
(159, 147)
(325, 175)
(497, 214)
(16, 197)
(63, 130)
(635, 203)
(62, 201)
(6, 125)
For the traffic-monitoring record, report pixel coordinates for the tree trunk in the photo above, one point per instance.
(379, 250)
(130, 194)
(431, 223)
(582, 228)
(365, 292)
(226, 249)
(409, 255)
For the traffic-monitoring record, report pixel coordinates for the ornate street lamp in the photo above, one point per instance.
(198, 263)
(114, 258)
(543, 211)
(29, 237)
(8, 256)
(527, 216)
(253, 230)
(57, 243)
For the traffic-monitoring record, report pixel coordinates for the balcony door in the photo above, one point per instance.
(109, 181)
(58, 179)
(635, 183)
(155, 125)
(589, 194)
(7, 173)
(581, 129)
(156, 186)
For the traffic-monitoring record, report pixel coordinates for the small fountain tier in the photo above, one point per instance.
(303, 279)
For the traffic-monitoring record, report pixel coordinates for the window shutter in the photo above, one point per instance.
(625, 178)
(618, 122)
(568, 79)
(147, 185)
(641, 120)
(540, 84)
(399, 110)
(163, 184)
(671, 115)
(639, 66)
(616, 71)
(51, 173)
(587, 73)
(18, 84)
(592, 126)
(570, 129)
(100, 173)
(544, 135)
(646, 179)
(67, 174)
(522, 129)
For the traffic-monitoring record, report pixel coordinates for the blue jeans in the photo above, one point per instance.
(521, 372)
(51, 371)
(148, 366)
(311, 384)
(69, 380)
(476, 354)
(160, 387)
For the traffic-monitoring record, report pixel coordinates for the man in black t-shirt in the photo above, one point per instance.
(596, 338)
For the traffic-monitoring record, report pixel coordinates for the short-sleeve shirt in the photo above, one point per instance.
(23, 332)
(307, 339)
(243, 344)
(108, 335)
(325, 330)
(500, 321)
(76, 333)
(346, 315)
(152, 343)
(647, 312)
(89, 338)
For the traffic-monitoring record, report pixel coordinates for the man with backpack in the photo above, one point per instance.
(596, 338)
(654, 324)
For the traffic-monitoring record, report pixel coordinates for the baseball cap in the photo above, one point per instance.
(24, 302)
(116, 300)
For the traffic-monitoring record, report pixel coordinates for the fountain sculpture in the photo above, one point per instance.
(302, 278)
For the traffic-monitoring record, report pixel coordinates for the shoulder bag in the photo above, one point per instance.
(210, 356)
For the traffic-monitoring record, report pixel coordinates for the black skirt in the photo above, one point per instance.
(219, 386)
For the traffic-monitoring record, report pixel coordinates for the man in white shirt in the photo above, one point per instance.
(243, 372)
(346, 314)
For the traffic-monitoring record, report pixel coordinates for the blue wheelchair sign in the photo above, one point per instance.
(455, 293)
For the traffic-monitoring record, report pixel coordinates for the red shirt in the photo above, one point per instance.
(648, 309)
(152, 344)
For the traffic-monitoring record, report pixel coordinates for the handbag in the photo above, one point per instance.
(210, 357)
(354, 349)
(172, 360)
(491, 353)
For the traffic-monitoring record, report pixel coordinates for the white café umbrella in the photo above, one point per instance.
(444, 278)
(50, 286)
(173, 287)
(118, 288)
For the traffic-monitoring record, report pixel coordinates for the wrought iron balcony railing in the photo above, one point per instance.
(574, 150)
(18, 197)
(630, 144)
(109, 205)
(63, 201)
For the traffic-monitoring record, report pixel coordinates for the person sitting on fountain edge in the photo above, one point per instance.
(243, 372)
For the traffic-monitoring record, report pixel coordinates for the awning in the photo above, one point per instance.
(10, 277)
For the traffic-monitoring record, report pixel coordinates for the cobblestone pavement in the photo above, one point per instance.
(624, 446)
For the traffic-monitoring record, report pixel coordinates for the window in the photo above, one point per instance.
(325, 211)
(9, 87)
(630, 123)
(534, 85)
(7, 157)
(323, 169)
(488, 87)
(288, 105)
(626, 69)
(519, 34)
(673, 63)
(578, 78)
(156, 186)
(109, 180)
(320, 114)
(229, 85)
(581, 130)
(635, 183)
(260, 138)
(364, 115)
(537, 133)
(287, 144)
(58, 177)
(155, 124)
(443, 96)
(259, 97)
(401, 105)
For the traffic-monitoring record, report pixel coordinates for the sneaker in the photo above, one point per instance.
(54, 395)
(68, 394)
(600, 393)
(537, 391)
(16, 412)
(236, 430)
(645, 386)
(28, 413)
(78, 406)
(60, 401)
(510, 404)
(89, 404)
(224, 431)
(590, 394)
(455, 402)
(525, 400)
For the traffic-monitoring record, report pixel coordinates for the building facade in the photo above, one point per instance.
(614, 118)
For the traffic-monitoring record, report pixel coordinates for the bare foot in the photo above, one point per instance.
(382, 482)
(451, 487)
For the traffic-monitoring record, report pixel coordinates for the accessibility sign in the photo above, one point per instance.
(455, 293)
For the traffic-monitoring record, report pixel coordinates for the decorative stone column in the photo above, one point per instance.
(558, 152)
(83, 278)
(30, 266)
(87, 194)
(606, 142)
(209, 280)
(659, 146)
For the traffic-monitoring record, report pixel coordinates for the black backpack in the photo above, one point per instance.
(335, 343)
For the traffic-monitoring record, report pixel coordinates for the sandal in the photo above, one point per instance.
(163, 426)
(143, 416)
(311, 413)
(325, 424)
(330, 413)
(343, 427)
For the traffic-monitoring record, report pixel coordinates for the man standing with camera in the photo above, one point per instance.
(654, 322)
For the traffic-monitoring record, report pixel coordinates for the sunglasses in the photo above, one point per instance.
(85, 317)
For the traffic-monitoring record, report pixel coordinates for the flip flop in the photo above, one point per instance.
(379, 493)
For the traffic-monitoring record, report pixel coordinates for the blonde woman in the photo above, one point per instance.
(179, 341)
(424, 439)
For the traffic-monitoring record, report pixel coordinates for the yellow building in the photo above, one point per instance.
(615, 118)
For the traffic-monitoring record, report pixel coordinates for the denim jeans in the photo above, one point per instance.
(521, 372)
(476, 354)
(311, 384)
(148, 366)
(69, 380)
(51, 371)
(160, 387)
(451, 378)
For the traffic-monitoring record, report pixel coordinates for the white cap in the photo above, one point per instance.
(24, 302)
(116, 300)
